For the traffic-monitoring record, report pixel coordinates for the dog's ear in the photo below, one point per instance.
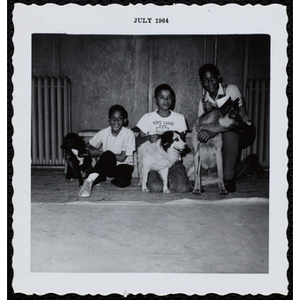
(181, 134)
(235, 104)
(166, 140)
(226, 107)
(234, 111)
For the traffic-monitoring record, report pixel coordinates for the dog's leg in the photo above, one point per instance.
(70, 174)
(197, 171)
(219, 161)
(73, 162)
(140, 169)
(145, 170)
(197, 161)
(86, 167)
(164, 175)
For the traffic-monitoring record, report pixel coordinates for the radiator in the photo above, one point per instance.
(50, 119)
(258, 107)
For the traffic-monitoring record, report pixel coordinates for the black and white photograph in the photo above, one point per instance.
(150, 149)
(82, 85)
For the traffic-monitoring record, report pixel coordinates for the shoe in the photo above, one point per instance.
(86, 189)
(260, 171)
(256, 167)
(230, 185)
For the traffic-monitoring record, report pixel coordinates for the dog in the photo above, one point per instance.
(209, 155)
(159, 156)
(79, 163)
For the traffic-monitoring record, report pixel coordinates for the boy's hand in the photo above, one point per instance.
(154, 138)
(95, 152)
(205, 135)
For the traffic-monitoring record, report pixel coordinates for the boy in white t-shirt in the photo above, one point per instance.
(152, 125)
(116, 155)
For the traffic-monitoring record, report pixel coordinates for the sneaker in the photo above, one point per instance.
(86, 189)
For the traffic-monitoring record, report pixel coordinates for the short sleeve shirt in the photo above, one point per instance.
(153, 123)
(232, 91)
(124, 141)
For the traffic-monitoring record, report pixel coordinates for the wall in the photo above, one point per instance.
(105, 70)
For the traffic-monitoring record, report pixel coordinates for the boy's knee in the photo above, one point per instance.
(155, 187)
(154, 182)
(178, 180)
(108, 155)
(180, 187)
(230, 138)
(123, 175)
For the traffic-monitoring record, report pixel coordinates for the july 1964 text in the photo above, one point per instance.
(151, 20)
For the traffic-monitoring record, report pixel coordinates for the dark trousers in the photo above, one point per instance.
(233, 143)
(107, 166)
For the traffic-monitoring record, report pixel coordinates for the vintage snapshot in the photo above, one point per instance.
(150, 149)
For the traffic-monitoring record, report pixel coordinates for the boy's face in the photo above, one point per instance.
(210, 82)
(164, 99)
(116, 121)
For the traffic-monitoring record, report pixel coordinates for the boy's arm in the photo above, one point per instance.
(93, 151)
(143, 125)
(149, 137)
(143, 137)
(121, 157)
(205, 135)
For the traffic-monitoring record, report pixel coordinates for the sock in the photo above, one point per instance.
(92, 177)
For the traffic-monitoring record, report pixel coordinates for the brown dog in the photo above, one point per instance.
(208, 155)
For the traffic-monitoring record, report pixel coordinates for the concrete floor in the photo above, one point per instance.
(126, 230)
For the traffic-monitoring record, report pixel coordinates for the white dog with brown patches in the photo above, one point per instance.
(160, 156)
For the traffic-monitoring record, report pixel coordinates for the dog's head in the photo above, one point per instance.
(230, 114)
(172, 140)
(73, 141)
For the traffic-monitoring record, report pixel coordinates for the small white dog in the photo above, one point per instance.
(159, 156)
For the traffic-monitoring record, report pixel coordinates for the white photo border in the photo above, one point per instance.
(118, 19)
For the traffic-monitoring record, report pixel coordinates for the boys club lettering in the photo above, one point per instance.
(162, 126)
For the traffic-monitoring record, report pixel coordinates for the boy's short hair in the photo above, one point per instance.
(121, 109)
(164, 86)
(208, 67)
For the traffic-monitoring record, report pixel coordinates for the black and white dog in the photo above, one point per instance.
(77, 158)
(160, 156)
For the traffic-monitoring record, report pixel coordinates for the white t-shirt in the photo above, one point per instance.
(124, 141)
(153, 123)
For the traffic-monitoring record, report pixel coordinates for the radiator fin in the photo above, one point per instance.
(51, 119)
(258, 107)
